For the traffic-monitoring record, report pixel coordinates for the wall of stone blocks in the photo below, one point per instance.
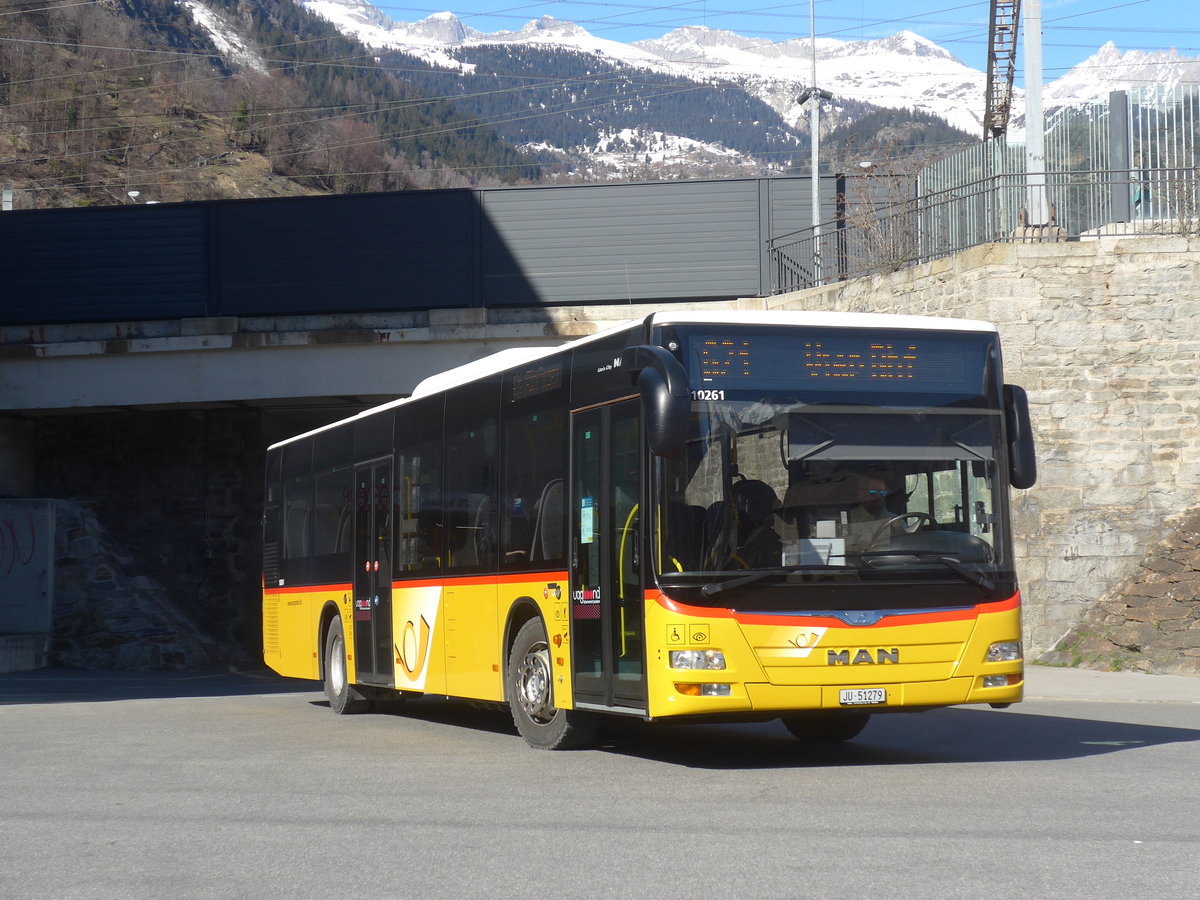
(1105, 336)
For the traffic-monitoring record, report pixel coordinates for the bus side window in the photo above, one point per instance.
(531, 517)
(472, 476)
(417, 493)
(333, 526)
(272, 521)
(297, 513)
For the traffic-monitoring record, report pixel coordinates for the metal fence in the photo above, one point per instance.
(1085, 205)
(1125, 165)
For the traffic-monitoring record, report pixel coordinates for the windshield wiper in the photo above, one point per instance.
(741, 581)
(971, 576)
(749, 578)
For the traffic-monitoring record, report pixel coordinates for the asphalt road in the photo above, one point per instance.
(129, 786)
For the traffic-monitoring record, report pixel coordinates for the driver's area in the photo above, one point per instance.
(738, 503)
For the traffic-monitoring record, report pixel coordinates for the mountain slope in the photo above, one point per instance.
(903, 71)
(152, 100)
(591, 114)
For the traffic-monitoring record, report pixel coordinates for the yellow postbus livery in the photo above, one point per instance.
(801, 516)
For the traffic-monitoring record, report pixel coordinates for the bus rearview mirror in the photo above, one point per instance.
(1022, 460)
(662, 383)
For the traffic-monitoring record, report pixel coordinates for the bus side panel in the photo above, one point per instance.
(472, 645)
(551, 596)
(291, 624)
(418, 627)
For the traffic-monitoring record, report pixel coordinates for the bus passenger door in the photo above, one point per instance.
(607, 652)
(373, 571)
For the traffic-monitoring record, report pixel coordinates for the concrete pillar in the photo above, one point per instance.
(16, 458)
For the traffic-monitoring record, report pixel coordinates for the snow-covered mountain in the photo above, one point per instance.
(1108, 69)
(904, 71)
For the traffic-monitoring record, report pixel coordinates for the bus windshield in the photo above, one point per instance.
(843, 483)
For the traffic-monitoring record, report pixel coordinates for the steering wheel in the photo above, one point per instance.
(915, 517)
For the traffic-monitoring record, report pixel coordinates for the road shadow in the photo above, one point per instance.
(84, 686)
(491, 718)
(953, 735)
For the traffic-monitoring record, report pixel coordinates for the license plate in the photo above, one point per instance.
(863, 696)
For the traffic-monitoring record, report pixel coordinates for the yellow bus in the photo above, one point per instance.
(721, 516)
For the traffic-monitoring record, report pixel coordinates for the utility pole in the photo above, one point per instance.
(1035, 125)
(814, 114)
(813, 95)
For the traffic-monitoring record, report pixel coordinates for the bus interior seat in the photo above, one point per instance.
(484, 536)
(516, 535)
(296, 531)
(549, 525)
(685, 534)
(345, 530)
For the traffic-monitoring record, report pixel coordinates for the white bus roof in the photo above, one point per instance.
(502, 360)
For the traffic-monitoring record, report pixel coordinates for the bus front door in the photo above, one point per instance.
(607, 647)
(373, 572)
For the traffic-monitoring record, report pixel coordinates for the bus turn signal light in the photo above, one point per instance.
(704, 690)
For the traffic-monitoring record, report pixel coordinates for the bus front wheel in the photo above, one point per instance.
(826, 727)
(343, 698)
(531, 696)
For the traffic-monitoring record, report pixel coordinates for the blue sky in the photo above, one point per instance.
(1072, 29)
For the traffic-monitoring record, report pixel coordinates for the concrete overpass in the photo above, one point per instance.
(273, 362)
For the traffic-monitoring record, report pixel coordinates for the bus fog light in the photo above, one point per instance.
(1004, 651)
(995, 681)
(704, 690)
(697, 659)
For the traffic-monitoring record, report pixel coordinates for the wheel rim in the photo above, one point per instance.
(533, 685)
(337, 665)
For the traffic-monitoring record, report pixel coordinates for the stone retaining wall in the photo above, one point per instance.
(1105, 336)
(173, 504)
(1151, 621)
(107, 613)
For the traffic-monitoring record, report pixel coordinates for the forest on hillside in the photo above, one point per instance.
(129, 100)
(893, 141)
(566, 99)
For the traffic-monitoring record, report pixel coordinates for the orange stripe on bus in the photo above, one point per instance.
(519, 578)
(914, 618)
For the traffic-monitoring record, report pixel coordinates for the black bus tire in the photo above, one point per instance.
(530, 692)
(343, 698)
(826, 727)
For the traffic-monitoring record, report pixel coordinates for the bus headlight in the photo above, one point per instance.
(697, 659)
(1004, 651)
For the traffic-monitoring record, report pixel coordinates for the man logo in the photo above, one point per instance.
(863, 657)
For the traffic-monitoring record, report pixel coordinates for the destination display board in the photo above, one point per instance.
(851, 362)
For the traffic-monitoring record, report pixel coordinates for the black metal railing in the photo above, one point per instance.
(1081, 205)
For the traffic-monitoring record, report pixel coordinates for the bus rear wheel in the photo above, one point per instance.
(826, 727)
(531, 696)
(343, 698)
